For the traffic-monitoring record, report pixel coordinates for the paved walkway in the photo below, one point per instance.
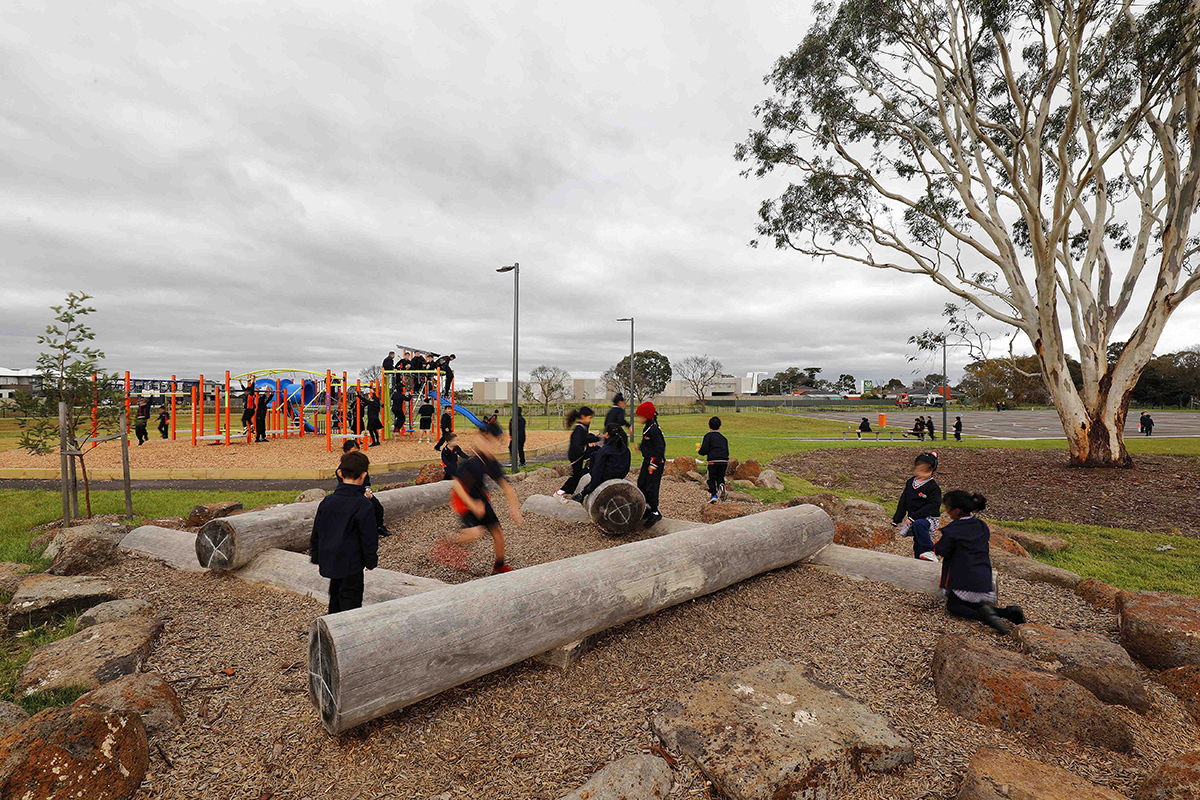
(1019, 424)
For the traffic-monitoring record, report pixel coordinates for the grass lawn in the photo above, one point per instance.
(17, 650)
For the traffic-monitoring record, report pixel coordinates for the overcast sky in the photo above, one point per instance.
(245, 185)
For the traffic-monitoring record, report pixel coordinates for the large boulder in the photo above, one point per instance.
(684, 464)
(1009, 691)
(84, 556)
(1184, 683)
(731, 467)
(430, 473)
(207, 512)
(719, 512)
(693, 476)
(1033, 542)
(999, 541)
(310, 496)
(1177, 779)
(11, 576)
(767, 731)
(747, 471)
(114, 531)
(768, 479)
(997, 775)
(11, 715)
(1098, 594)
(863, 506)
(1028, 569)
(92, 657)
(41, 598)
(862, 529)
(828, 502)
(1161, 630)
(640, 777)
(112, 611)
(1095, 663)
(143, 693)
(74, 752)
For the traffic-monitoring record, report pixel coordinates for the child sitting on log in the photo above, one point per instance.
(351, 446)
(920, 506)
(470, 500)
(967, 567)
(345, 540)
(715, 448)
(611, 461)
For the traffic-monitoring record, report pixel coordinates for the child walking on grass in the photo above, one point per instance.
(578, 450)
(470, 500)
(715, 449)
(920, 505)
(344, 538)
(967, 566)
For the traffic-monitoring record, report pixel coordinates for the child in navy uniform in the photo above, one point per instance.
(654, 454)
(616, 414)
(920, 506)
(425, 412)
(715, 448)
(967, 566)
(610, 461)
(351, 446)
(451, 453)
(579, 450)
(344, 539)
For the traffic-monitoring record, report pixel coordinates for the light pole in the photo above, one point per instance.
(515, 434)
(630, 404)
(945, 392)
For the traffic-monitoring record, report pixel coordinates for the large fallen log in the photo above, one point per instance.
(231, 542)
(281, 569)
(856, 563)
(616, 506)
(371, 661)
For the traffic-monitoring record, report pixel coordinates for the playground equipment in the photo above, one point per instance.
(371, 661)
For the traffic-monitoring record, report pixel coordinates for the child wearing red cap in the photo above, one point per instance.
(654, 453)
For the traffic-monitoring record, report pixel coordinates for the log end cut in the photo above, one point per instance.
(617, 507)
(215, 545)
(323, 676)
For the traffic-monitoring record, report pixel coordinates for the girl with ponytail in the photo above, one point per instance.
(967, 566)
(579, 450)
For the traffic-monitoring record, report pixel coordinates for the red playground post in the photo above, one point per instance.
(227, 408)
(193, 416)
(328, 430)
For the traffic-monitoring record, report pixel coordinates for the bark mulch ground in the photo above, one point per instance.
(236, 654)
(1157, 494)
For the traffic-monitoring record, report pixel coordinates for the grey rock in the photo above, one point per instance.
(91, 657)
(767, 731)
(768, 479)
(112, 611)
(310, 496)
(11, 576)
(112, 531)
(741, 497)
(84, 556)
(11, 715)
(640, 777)
(41, 598)
(866, 506)
(1095, 663)
(693, 476)
(1028, 569)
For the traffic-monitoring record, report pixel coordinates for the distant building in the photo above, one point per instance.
(594, 390)
(16, 379)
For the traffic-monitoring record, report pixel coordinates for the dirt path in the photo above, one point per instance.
(1158, 494)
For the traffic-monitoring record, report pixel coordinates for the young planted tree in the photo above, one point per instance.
(69, 373)
(548, 384)
(1038, 159)
(700, 373)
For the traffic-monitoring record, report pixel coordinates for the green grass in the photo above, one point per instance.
(795, 486)
(23, 509)
(1124, 558)
(18, 649)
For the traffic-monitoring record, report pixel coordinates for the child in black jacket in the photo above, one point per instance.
(920, 506)
(654, 456)
(715, 448)
(610, 462)
(351, 446)
(344, 539)
(579, 450)
(426, 412)
(451, 453)
(967, 566)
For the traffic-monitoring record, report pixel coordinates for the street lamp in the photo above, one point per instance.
(515, 434)
(945, 389)
(630, 403)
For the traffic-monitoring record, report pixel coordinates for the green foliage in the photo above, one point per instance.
(15, 652)
(651, 371)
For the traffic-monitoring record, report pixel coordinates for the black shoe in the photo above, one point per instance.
(1013, 614)
(384, 532)
(651, 520)
(988, 616)
(578, 498)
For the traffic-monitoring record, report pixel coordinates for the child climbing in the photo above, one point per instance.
(578, 450)
(344, 539)
(654, 453)
(470, 500)
(919, 506)
(967, 566)
(715, 449)
(611, 461)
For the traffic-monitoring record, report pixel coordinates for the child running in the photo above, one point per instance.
(967, 566)
(654, 453)
(919, 506)
(715, 448)
(578, 450)
(610, 462)
(470, 500)
(344, 539)
(451, 453)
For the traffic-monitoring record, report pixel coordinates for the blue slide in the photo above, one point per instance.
(466, 412)
(298, 395)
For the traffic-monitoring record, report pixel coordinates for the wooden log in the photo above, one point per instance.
(375, 660)
(856, 563)
(231, 542)
(176, 548)
(616, 506)
(548, 506)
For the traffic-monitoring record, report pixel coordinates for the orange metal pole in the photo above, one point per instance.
(227, 408)
(300, 410)
(201, 404)
(193, 416)
(358, 412)
(328, 398)
(280, 422)
(173, 391)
